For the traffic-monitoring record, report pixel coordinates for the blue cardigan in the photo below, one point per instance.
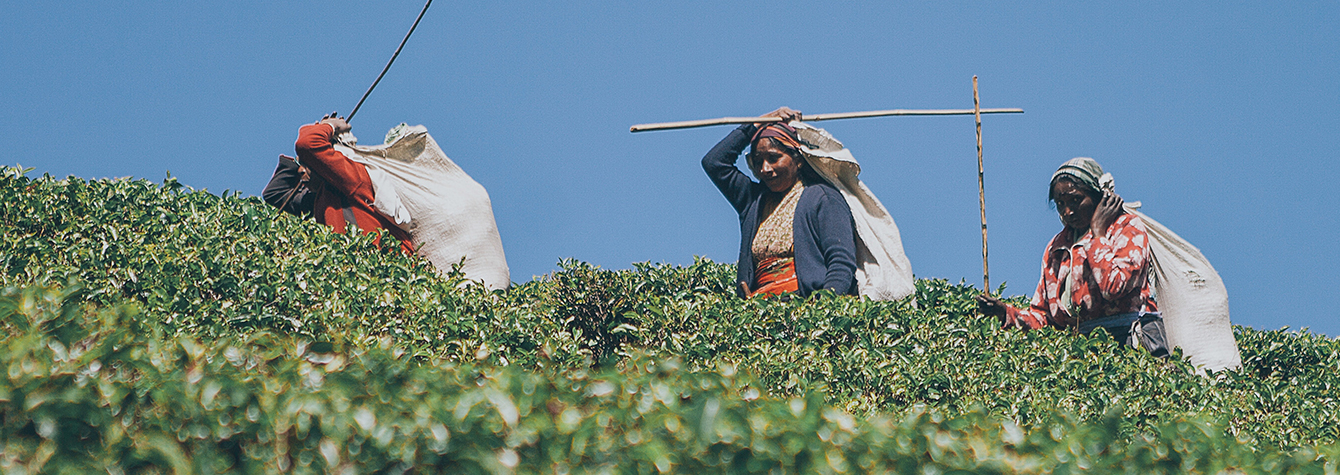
(824, 233)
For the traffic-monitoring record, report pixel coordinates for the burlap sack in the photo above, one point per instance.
(1192, 299)
(448, 214)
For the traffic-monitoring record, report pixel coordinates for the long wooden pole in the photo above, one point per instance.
(981, 186)
(688, 124)
(388, 63)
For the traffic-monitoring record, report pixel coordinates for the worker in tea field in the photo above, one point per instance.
(341, 191)
(796, 230)
(1096, 272)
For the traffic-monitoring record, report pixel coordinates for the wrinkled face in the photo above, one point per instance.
(1074, 205)
(773, 166)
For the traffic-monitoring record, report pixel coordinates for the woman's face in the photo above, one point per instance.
(774, 166)
(1074, 205)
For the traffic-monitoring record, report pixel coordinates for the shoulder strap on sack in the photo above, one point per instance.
(291, 175)
(289, 196)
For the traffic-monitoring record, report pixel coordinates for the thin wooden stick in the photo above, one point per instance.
(981, 186)
(689, 124)
(393, 57)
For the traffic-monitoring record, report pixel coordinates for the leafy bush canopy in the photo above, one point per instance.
(92, 390)
(179, 293)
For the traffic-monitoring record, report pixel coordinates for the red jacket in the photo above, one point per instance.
(341, 183)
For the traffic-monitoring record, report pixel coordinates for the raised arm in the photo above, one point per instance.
(316, 152)
(719, 163)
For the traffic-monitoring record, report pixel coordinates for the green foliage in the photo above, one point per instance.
(888, 357)
(89, 390)
(185, 272)
(595, 306)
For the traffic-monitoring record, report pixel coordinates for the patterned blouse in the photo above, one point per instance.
(775, 237)
(1107, 276)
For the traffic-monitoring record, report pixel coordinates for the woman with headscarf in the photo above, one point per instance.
(796, 230)
(1096, 272)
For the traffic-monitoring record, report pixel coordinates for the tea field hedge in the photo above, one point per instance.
(92, 390)
(128, 302)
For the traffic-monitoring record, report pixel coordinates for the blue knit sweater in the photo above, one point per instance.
(824, 233)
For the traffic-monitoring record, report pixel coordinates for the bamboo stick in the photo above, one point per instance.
(981, 186)
(688, 124)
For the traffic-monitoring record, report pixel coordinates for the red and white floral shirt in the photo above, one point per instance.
(1111, 276)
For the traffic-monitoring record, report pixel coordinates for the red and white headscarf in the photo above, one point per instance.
(779, 131)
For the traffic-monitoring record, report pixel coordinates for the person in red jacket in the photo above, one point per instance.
(343, 190)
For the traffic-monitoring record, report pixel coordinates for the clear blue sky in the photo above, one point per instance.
(1220, 116)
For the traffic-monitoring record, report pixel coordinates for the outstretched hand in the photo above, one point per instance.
(336, 122)
(990, 306)
(1107, 212)
(787, 114)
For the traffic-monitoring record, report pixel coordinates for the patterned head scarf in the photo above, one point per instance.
(1086, 172)
(779, 131)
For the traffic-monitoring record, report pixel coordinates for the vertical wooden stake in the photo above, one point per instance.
(981, 187)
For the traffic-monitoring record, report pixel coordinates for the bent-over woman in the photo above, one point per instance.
(1096, 272)
(796, 230)
(343, 190)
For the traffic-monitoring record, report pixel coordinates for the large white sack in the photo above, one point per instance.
(1192, 299)
(448, 214)
(882, 269)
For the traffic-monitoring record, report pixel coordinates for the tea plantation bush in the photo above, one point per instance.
(230, 270)
(89, 390)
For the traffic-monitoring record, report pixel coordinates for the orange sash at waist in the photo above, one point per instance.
(776, 276)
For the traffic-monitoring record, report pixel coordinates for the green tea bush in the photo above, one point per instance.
(203, 267)
(210, 265)
(97, 390)
(887, 357)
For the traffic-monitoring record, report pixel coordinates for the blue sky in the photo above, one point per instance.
(1220, 117)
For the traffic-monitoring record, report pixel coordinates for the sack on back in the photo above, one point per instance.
(1192, 298)
(882, 269)
(448, 214)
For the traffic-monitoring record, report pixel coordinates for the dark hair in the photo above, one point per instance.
(795, 154)
(807, 174)
(1088, 190)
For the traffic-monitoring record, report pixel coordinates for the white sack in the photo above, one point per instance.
(882, 269)
(1192, 299)
(448, 214)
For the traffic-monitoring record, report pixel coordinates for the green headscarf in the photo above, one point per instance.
(1086, 171)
